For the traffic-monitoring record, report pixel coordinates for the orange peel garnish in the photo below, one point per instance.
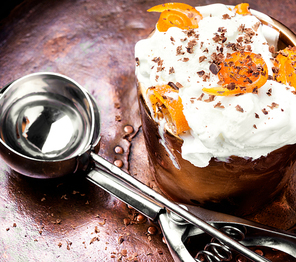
(240, 72)
(176, 15)
(166, 107)
(242, 9)
(285, 62)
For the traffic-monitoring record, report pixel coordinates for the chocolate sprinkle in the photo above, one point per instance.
(172, 85)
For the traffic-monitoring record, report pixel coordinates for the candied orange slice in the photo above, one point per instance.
(285, 63)
(176, 15)
(242, 9)
(165, 105)
(240, 72)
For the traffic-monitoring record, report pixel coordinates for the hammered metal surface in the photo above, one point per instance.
(92, 41)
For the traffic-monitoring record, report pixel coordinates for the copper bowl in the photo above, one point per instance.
(238, 186)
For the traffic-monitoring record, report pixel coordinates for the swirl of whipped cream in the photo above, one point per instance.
(249, 125)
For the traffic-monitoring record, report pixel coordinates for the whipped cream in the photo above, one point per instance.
(249, 125)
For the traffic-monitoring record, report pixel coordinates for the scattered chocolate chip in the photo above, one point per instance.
(140, 218)
(256, 115)
(255, 126)
(128, 129)
(265, 112)
(152, 230)
(118, 163)
(118, 150)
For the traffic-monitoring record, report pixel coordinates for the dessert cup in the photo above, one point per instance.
(239, 186)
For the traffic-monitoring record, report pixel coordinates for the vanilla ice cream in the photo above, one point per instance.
(249, 125)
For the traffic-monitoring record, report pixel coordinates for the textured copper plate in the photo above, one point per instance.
(92, 42)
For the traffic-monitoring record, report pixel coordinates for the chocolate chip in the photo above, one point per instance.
(118, 150)
(118, 163)
(152, 230)
(140, 218)
(128, 129)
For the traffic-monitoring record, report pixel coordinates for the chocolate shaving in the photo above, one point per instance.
(210, 99)
(190, 46)
(265, 112)
(256, 26)
(273, 105)
(179, 85)
(269, 92)
(226, 16)
(171, 70)
(256, 115)
(206, 77)
(219, 105)
(272, 49)
(239, 108)
(200, 73)
(200, 97)
(179, 50)
(172, 85)
(202, 58)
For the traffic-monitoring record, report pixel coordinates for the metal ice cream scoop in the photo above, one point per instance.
(49, 126)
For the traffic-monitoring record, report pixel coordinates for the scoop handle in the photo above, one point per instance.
(122, 191)
(151, 195)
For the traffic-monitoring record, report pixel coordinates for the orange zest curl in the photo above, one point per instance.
(242, 9)
(240, 72)
(176, 15)
(167, 107)
(285, 66)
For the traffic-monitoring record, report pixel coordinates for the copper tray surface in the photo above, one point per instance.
(69, 219)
